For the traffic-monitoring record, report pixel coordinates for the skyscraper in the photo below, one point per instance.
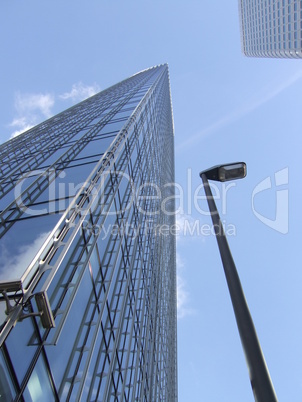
(87, 277)
(271, 28)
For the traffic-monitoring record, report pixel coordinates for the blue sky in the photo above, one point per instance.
(226, 108)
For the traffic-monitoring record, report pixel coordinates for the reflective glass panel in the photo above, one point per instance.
(7, 390)
(22, 345)
(39, 387)
(18, 250)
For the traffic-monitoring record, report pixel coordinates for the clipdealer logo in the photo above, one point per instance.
(61, 189)
(280, 222)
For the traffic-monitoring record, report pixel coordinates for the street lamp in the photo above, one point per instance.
(259, 376)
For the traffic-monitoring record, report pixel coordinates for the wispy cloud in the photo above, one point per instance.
(182, 221)
(30, 110)
(79, 92)
(242, 111)
(183, 308)
(30, 103)
(21, 130)
(189, 228)
(21, 124)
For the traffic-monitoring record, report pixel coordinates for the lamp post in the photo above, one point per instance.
(259, 376)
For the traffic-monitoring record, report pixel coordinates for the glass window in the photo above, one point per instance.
(22, 345)
(66, 185)
(53, 157)
(7, 390)
(21, 181)
(17, 250)
(123, 113)
(39, 387)
(96, 146)
(64, 352)
(7, 199)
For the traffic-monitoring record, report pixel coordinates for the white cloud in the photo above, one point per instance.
(31, 109)
(17, 122)
(21, 130)
(182, 221)
(182, 294)
(79, 92)
(190, 228)
(33, 103)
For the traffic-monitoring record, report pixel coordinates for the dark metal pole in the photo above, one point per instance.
(259, 376)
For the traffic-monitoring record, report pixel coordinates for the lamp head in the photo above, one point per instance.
(230, 171)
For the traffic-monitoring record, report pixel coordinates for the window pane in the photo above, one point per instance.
(7, 391)
(39, 388)
(17, 250)
(22, 345)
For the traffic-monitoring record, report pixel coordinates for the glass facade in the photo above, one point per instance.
(87, 274)
(271, 28)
